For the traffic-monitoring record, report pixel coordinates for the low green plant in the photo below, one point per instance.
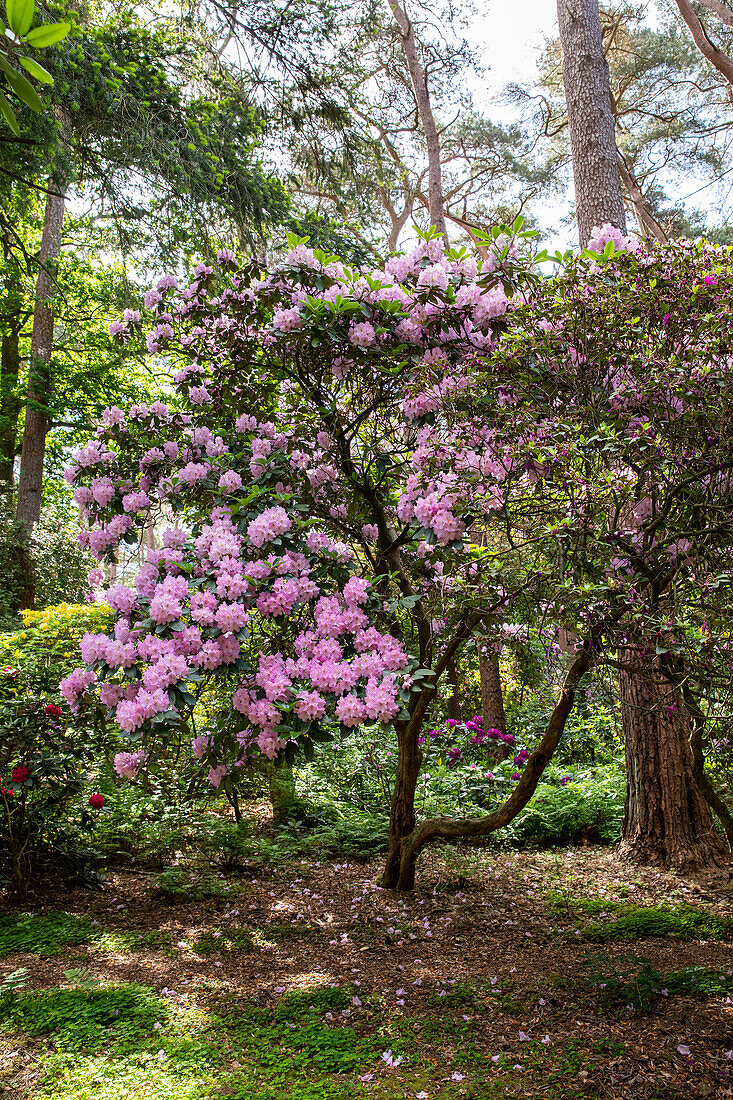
(179, 883)
(86, 1018)
(128, 941)
(624, 979)
(637, 922)
(152, 827)
(584, 806)
(228, 939)
(226, 844)
(299, 1025)
(353, 835)
(44, 934)
(10, 984)
(699, 981)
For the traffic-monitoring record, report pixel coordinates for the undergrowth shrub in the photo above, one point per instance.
(60, 566)
(700, 981)
(624, 980)
(354, 835)
(585, 806)
(182, 883)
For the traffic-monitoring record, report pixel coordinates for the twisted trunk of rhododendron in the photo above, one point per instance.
(402, 815)
(717, 804)
(453, 829)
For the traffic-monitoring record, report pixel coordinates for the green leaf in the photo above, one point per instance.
(20, 15)
(7, 112)
(36, 70)
(22, 87)
(47, 35)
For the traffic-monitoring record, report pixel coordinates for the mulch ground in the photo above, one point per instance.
(476, 917)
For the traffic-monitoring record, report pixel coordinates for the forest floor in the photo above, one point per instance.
(506, 974)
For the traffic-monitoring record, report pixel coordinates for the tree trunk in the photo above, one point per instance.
(492, 701)
(649, 227)
(402, 819)
(451, 829)
(598, 196)
(30, 483)
(492, 698)
(10, 404)
(454, 699)
(667, 820)
(427, 118)
(717, 58)
(282, 792)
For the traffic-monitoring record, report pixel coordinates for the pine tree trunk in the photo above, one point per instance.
(30, 483)
(598, 195)
(427, 118)
(667, 820)
(492, 697)
(492, 701)
(454, 699)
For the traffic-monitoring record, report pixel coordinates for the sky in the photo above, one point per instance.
(510, 34)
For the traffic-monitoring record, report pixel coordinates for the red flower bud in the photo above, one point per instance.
(20, 773)
(96, 801)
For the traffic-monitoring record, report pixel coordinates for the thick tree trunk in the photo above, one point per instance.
(598, 196)
(667, 820)
(427, 118)
(30, 483)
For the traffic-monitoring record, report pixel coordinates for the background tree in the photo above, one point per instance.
(598, 197)
(134, 140)
(672, 120)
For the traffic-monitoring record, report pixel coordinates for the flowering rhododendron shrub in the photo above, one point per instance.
(310, 570)
(43, 830)
(617, 387)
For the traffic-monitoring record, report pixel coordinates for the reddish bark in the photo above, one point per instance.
(668, 820)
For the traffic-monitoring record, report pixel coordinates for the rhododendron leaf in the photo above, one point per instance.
(20, 15)
(48, 34)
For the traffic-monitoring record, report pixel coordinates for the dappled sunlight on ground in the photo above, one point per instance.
(505, 974)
